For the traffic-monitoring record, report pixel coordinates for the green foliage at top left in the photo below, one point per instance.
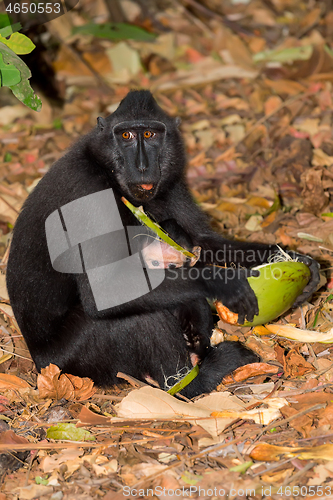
(14, 73)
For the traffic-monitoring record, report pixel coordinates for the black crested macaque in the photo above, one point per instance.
(55, 285)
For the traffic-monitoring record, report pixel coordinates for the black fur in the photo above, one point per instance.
(56, 311)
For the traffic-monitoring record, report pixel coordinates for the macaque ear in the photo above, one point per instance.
(197, 252)
(101, 123)
(178, 121)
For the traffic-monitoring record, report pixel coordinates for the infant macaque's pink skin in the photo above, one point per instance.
(160, 255)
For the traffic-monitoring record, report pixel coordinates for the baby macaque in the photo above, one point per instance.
(158, 254)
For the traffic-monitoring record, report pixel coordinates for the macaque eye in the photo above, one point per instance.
(127, 135)
(155, 263)
(148, 134)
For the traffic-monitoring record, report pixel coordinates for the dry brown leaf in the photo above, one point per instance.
(149, 403)
(7, 310)
(302, 423)
(326, 416)
(288, 87)
(295, 365)
(10, 113)
(321, 159)
(318, 67)
(276, 477)
(260, 202)
(51, 384)
(263, 347)
(253, 370)
(321, 473)
(8, 381)
(52, 462)
(239, 51)
(304, 401)
(260, 330)
(9, 437)
(205, 71)
(268, 452)
(83, 387)
(262, 416)
(67, 64)
(33, 491)
(99, 61)
(299, 335)
(73, 458)
(3, 288)
(315, 198)
(88, 417)
(272, 103)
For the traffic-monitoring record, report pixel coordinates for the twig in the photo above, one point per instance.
(72, 444)
(131, 380)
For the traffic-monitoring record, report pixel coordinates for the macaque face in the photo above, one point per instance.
(160, 255)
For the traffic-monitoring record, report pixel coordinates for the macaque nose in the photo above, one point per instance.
(142, 158)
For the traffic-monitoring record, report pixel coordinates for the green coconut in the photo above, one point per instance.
(276, 289)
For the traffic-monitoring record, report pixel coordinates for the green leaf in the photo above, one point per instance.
(144, 219)
(57, 123)
(115, 31)
(184, 381)
(21, 90)
(25, 94)
(69, 432)
(190, 478)
(285, 55)
(40, 480)
(9, 75)
(309, 237)
(5, 20)
(328, 214)
(7, 157)
(8, 30)
(19, 43)
(242, 468)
